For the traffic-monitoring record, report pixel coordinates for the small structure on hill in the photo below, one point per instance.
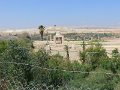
(58, 38)
(57, 45)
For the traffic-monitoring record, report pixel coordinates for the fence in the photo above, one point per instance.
(14, 84)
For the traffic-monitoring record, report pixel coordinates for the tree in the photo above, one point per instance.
(115, 53)
(41, 28)
(83, 44)
(57, 76)
(3, 46)
(83, 53)
(67, 52)
(115, 62)
(40, 59)
(93, 55)
(16, 54)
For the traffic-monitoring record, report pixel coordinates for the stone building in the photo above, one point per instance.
(58, 38)
(57, 45)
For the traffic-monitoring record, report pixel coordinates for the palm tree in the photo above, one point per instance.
(41, 30)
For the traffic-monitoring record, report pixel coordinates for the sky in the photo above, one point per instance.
(32, 13)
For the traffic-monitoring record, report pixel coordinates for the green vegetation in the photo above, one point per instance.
(23, 69)
(89, 36)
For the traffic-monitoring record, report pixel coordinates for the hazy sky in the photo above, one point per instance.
(31, 13)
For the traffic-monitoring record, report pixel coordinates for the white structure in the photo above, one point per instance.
(58, 38)
(57, 45)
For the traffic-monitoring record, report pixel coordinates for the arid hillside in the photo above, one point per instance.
(63, 30)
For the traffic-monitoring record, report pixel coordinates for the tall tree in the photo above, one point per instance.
(67, 51)
(83, 53)
(41, 30)
(83, 44)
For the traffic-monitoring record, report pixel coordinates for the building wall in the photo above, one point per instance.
(58, 48)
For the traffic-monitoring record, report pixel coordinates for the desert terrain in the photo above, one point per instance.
(109, 43)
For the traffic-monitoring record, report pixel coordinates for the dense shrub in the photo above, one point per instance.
(21, 68)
